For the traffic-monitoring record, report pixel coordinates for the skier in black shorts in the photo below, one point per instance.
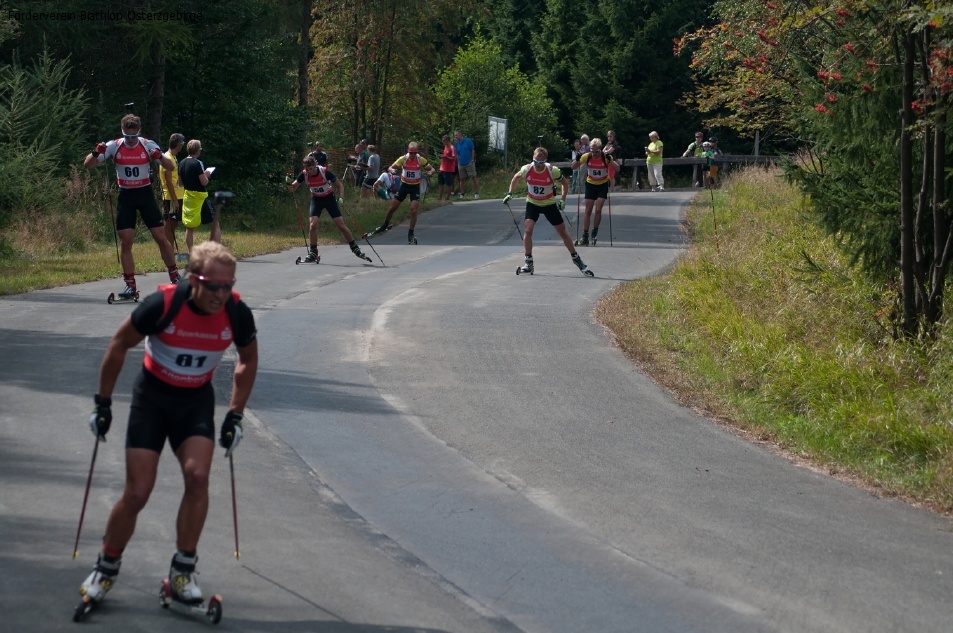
(541, 179)
(323, 184)
(131, 155)
(173, 400)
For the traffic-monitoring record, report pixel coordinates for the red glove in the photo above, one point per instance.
(155, 154)
(100, 149)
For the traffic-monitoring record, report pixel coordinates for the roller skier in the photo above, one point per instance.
(323, 184)
(599, 171)
(173, 400)
(131, 155)
(411, 166)
(541, 178)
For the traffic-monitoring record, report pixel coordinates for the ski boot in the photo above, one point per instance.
(174, 277)
(527, 266)
(311, 258)
(584, 240)
(582, 265)
(410, 238)
(96, 586)
(595, 232)
(357, 251)
(182, 581)
(128, 294)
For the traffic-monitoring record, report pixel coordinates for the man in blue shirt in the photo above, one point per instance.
(466, 155)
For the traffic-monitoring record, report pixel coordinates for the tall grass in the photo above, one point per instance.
(765, 326)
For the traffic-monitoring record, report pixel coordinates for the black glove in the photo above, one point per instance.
(231, 433)
(101, 417)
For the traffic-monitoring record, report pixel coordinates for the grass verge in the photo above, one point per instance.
(764, 326)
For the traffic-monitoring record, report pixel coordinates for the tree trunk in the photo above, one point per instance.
(304, 52)
(907, 220)
(153, 126)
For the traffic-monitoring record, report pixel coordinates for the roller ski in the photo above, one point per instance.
(95, 587)
(410, 238)
(383, 228)
(180, 592)
(527, 267)
(129, 294)
(592, 241)
(359, 253)
(584, 240)
(311, 258)
(581, 265)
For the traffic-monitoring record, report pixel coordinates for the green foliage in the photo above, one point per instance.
(616, 70)
(478, 84)
(851, 176)
(767, 324)
(38, 115)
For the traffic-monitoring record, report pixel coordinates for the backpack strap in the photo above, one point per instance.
(182, 293)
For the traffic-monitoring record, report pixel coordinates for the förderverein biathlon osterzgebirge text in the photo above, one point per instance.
(130, 15)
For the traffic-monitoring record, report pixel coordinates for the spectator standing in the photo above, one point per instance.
(448, 165)
(320, 158)
(713, 168)
(197, 209)
(576, 153)
(373, 171)
(653, 161)
(360, 169)
(466, 160)
(695, 148)
(172, 189)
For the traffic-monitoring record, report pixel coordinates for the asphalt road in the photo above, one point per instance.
(441, 445)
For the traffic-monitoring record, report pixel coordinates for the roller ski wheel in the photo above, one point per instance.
(210, 609)
(521, 270)
(84, 608)
(412, 241)
(588, 273)
(122, 298)
(316, 259)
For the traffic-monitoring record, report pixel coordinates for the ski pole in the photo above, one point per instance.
(231, 468)
(609, 202)
(82, 514)
(577, 216)
(513, 215)
(358, 226)
(714, 218)
(112, 215)
(300, 222)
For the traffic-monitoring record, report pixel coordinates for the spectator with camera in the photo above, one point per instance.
(373, 170)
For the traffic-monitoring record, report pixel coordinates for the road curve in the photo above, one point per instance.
(442, 445)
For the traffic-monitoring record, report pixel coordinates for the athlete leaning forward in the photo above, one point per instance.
(323, 183)
(411, 166)
(541, 178)
(173, 400)
(599, 169)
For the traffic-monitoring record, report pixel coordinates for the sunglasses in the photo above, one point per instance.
(216, 285)
(136, 135)
(539, 162)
